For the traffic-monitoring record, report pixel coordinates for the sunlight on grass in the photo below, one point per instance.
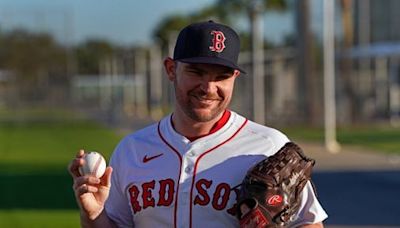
(52, 144)
(35, 149)
(39, 218)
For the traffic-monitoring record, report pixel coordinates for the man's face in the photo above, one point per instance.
(203, 91)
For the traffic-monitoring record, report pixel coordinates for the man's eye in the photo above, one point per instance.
(193, 72)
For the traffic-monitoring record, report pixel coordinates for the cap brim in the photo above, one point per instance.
(211, 60)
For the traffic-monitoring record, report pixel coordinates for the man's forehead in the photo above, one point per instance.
(207, 67)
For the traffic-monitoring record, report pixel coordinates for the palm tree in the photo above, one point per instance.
(167, 28)
(166, 31)
(309, 94)
(254, 10)
(346, 64)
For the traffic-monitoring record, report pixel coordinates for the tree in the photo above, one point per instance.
(35, 59)
(254, 9)
(224, 11)
(346, 63)
(309, 104)
(167, 29)
(90, 54)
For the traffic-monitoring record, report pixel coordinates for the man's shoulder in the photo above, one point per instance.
(144, 132)
(264, 129)
(128, 146)
(141, 135)
(254, 129)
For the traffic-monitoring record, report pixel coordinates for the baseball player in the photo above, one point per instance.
(186, 170)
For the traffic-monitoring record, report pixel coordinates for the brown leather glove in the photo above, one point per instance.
(270, 194)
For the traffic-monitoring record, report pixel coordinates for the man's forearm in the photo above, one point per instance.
(102, 221)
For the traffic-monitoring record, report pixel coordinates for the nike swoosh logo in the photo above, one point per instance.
(147, 159)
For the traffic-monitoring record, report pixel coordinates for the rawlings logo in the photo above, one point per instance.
(218, 41)
(275, 200)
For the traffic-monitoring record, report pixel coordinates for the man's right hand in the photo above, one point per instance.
(91, 193)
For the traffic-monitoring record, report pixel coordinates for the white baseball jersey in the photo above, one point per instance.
(162, 179)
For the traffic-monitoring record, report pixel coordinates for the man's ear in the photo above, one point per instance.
(236, 73)
(170, 68)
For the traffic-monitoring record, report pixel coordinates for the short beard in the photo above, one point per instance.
(203, 118)
(187, 108)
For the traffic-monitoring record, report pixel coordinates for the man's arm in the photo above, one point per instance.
(91, 194)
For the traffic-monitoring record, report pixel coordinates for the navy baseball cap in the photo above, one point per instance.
(208, 42)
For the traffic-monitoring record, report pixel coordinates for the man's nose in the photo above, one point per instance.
(209, 86)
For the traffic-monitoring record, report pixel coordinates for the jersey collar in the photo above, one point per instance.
(218, 125)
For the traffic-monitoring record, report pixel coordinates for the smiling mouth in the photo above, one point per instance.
(205, 101)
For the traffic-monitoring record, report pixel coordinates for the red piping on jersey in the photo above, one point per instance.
(197, 162)
(180, 169)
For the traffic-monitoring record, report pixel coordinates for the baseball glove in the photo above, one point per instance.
(270, 194)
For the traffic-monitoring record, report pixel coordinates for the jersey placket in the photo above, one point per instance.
(190, 153)
(189, 157)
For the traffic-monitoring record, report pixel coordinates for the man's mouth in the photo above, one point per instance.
(206, 100)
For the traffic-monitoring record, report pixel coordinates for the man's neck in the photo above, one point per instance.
(193, 129)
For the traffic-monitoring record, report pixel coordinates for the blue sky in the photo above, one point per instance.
(123, 21)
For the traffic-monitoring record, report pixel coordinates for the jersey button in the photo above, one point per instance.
(188, 169)
(191, 154)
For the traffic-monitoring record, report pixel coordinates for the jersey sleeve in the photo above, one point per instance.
(278, 138)
(117, 206)
(310, 211)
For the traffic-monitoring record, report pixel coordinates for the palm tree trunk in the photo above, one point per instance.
(309, 97)
(346, 63)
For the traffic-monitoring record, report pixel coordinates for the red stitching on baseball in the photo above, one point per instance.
(96, 166)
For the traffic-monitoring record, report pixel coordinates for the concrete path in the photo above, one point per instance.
(350, 158)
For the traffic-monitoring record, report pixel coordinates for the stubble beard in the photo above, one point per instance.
(189, 109)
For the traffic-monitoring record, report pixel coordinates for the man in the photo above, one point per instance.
(184, 171)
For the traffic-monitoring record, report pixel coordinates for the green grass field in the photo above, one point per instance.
(380, 138)
(36, 189)
(44, 145)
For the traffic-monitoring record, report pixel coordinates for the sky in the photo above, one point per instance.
(127, 22)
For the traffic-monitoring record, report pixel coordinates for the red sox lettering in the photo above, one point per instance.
(165, 198)
(220, 196)
(144, 195)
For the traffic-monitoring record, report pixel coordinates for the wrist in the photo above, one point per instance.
(91, 216)
(94, 221)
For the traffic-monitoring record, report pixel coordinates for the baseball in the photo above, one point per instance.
(94, 164)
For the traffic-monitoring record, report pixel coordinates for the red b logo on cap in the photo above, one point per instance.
(218, 40)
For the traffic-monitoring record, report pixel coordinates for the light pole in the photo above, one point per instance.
(257, 61)
(331, 143)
